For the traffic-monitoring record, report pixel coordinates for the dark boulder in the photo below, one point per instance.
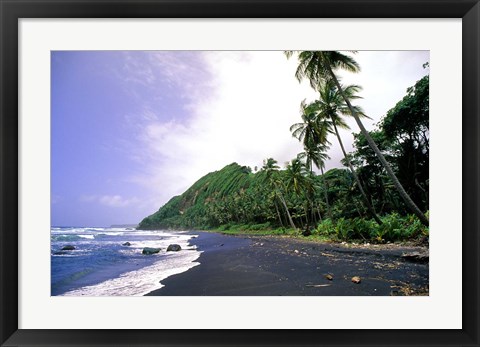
(174, 248)
(68, 248)
(149, 250)
(126, 244)
(306, 231)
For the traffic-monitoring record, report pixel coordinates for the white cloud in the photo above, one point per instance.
(243, 115)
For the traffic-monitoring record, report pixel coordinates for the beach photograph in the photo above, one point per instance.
(239, 173)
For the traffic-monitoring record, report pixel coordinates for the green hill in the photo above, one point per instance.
(236, 196)
(199, 206)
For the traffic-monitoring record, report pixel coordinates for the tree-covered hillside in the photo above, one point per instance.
(266, 198)
(194, 207)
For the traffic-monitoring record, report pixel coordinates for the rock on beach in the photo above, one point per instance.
(174, 248)
(150, 250)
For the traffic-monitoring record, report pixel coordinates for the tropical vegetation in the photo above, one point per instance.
(380, 195)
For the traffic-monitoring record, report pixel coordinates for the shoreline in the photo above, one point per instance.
(249, 265)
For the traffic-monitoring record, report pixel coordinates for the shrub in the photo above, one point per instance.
(394, 228)
(262, 226)
(362, 228)
(326, 227)
(343, 229)
(397, 228)
(415, 228)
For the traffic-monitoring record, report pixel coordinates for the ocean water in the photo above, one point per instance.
(101, 266)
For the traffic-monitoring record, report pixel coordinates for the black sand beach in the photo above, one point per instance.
(268, 265)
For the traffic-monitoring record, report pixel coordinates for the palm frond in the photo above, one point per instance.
(342, 61)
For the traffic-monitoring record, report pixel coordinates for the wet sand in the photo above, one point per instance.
(269, 265)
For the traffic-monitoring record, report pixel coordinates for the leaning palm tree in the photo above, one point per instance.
(332, 106)
(270, 168)
(319, 66)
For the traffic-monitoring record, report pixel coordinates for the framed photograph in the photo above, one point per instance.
(239, 173)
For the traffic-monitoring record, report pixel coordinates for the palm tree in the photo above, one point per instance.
(332, 106)
(297, 181)
(313, 132)
(270, 168)
(317, 155)
(295, 175)
(309, 131)
(319, 66)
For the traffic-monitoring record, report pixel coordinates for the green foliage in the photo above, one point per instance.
(394, 228)
(361, 228)
(234, 200)
(330, 205)
(343, 229)
(261, 226)
(326, 228)
(258, 230)
(391, 228)
(234, 196)
(403, 137)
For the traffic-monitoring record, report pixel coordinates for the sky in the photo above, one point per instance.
(132, 129)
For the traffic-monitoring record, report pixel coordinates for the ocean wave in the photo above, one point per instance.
(69, 230)
(105, 235)
(60, 238)
(117, 270)
(73, 277)
(142, 281)
(146, 279)
(71, 237)
(91, 237)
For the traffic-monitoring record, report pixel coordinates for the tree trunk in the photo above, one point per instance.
(312, 199)
(406, 198)
(356, 208)
(423, 190)
(278, 213)
(305, 208)
(326, 193)
(357, 179)
(319, 214)
(288, 213)
(383, 198)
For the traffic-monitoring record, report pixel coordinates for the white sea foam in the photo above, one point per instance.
(145, 279)
(108, 234)
(87, 236)
(69, 230)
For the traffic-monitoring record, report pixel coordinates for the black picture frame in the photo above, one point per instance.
(12, 10)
